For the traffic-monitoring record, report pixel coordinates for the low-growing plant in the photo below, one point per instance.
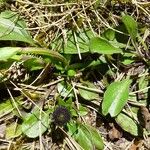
(36, 72)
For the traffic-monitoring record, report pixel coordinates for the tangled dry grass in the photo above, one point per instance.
(49, 20)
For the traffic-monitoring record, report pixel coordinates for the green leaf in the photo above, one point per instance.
(13, 28)
(71, 73)
(94, 64)
(36, 123)
(7, 52)
(34, 64)
(82, 110)
(109, 34)
(87, 136)
(54, 56)
(115, 97)
(64, 89)
(143, 83)
(86, 64)
(72, 128)
(6, 107)
(77, 39)
(67, 103)
(86, 94)
(96, 138)
(102, 46)
(128, 58)
(84, 138)
(131, 25)
(13, 130)
(128, 124)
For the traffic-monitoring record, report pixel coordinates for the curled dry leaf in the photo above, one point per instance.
(136, 145)
(145, 114)
(114, 133)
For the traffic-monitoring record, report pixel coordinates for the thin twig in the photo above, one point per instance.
(89, 89)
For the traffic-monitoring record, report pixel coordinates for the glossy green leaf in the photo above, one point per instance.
(128, 124)
(86, 94)
(115, 97)
(102, 46)
(87, 136)
(36, 123)
(7, 52)
(131, 25)
(13, 28)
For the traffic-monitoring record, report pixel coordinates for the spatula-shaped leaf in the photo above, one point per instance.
(102, 46)
(131, 25)
(13, 28)
(128, 124)
(115, 97)
(87, 136)
(35, 123)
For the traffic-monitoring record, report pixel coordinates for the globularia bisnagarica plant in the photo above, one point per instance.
(58, 86)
